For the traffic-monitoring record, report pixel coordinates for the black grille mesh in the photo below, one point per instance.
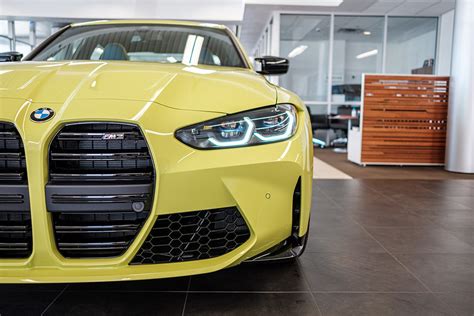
(12, 155)
(15, 234)
(96, 234)
(15, 219)
(98, 152)
(193, 236)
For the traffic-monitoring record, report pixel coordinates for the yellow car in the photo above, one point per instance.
(148, 149)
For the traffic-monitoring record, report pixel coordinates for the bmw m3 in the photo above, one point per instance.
(148, 149)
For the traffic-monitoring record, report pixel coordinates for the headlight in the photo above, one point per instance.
(262, 126)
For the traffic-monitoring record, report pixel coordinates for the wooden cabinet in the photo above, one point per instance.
(403, 120)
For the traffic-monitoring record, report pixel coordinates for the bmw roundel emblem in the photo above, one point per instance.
(41, 115)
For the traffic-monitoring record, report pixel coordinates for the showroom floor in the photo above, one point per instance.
(340, 162)
(377, 247)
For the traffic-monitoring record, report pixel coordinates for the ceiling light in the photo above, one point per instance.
(367, 33)
(368, 54)
(297, 51)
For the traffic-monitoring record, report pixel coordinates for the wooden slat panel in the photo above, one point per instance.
(404, 119)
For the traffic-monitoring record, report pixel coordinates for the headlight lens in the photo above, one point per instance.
(266, 125)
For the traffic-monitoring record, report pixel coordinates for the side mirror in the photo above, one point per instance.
(270, 65)
(10, 56)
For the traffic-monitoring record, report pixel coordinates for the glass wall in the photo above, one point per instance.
(355, 46)
(358, 49)
(411, 45)
(23, 36)
(304, 40)
(4, 38)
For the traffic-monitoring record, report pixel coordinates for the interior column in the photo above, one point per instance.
(460, 140)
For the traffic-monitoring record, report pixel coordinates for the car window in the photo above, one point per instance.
(145, 43)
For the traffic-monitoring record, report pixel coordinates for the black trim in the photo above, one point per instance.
(97, 198)
(14, 198)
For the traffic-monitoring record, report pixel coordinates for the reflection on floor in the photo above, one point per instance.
(340, 162)
(324, 170)
(377, 247)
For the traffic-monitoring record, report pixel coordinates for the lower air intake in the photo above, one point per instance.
(106, 234)
(193, 236)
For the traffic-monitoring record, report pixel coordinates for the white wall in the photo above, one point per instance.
(445, 43)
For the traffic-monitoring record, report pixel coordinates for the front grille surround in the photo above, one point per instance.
(192, 236)
(101, 187)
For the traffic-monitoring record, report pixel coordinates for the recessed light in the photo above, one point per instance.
(297, 51)
(367, 33)
(367, 54)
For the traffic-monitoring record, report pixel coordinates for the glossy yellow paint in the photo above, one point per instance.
(160, 99)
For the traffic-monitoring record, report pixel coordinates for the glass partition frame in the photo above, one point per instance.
(329, 102)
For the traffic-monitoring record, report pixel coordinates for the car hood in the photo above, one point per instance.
(200, 88)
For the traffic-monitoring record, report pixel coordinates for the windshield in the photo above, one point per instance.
(145, 43)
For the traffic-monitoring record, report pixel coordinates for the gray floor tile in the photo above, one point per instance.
(467, 201)
(419, 240)
(271, 277)
(274, 304)
(450, 188)
(25, 302)
(442, 272)
(346, 188)
(348, 237)
(461, 303)
(342, 304)
(357, 272)
(430, 203)
(389, 218)
(118, 303)
(465, 234)
(171, 284)
(396, 189)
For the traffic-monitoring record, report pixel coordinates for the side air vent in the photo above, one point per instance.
(15, 219)
(193, 236)
(100, 191)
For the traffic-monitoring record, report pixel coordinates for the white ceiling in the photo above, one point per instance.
(202, 10)
(256, 16)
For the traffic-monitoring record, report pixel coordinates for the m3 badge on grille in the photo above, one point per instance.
(113, 136)
(42, 114)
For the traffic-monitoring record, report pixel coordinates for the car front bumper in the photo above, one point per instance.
(259, 180)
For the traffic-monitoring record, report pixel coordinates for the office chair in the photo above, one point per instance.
(340, 127)
(322, 133)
